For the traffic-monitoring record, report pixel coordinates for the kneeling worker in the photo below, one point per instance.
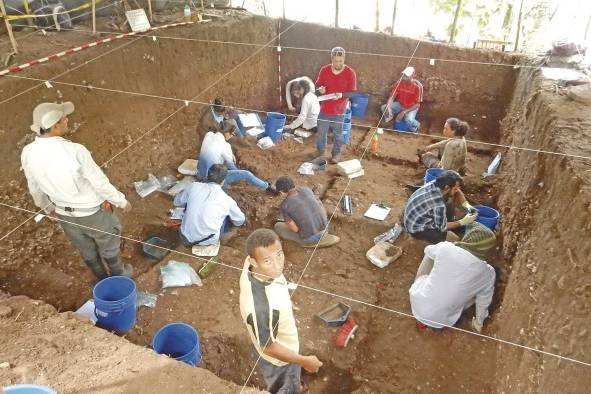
(304, 216)
(209, 211)
(452, 278)
(430, 211)
(267, 312)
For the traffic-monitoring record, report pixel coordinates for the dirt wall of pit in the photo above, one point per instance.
(546, 228)
(32, 259)
(473, 92)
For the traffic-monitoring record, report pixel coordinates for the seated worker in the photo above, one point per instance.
(452, 278)
(429, 213)
(405, 100)
(289, 91)
(216, 150)
(267, 312)
(218, 117)
(304, 216)
(310, 108)
(451, 153)
(209, 211)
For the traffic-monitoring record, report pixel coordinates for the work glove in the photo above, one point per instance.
(469, 218)
(476, 325)
(468, 207)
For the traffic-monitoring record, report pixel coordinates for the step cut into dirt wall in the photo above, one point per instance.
(546, 227)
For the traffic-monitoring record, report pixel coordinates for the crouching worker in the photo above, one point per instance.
(267, 311)
(449, 154)
(452, 278)
(218, 118)
(429, 214)
(304, 216)
(68, 185)
(209, 211)
(310, 108)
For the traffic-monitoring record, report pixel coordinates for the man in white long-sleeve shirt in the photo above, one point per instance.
(209, 211)
(453, 277)
(310, 108)
(68, 185)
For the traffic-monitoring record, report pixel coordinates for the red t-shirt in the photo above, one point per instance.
(346, 81)
(408, 93)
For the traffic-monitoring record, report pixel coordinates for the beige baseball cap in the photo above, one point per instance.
(45, 115)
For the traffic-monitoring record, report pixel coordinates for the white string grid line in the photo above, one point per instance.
(515, 66)
(244, 109)
(153, 128)
(321, 291)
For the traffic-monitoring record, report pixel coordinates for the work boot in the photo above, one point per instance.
(318, 153)
(97, 268)
(119, 269)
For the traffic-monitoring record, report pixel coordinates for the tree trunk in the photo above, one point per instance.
(394, 16)
(455, 23)
(264, 8)
(377, 25)
(336, 14)
(283, 9)
(587, 28)
(518, 26)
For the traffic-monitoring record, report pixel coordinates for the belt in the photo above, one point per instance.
(70, 209)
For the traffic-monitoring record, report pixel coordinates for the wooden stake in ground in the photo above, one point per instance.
(8, 27)
(93, 16)
(150, 10)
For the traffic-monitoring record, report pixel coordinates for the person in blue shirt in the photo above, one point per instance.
(209, 211)
(215, 149)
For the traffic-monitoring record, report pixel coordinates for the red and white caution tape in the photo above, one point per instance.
(21, 67)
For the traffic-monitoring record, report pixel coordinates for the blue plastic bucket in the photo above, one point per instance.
(115, 303)
(487, 216)
(179, 341)
(401, 126)
(433, 173)
(359, 103)
(28, 389)
(346, 130)
(274, 125)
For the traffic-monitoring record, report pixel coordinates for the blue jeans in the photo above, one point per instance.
(235, 175)
(325, 122)
(409, 118)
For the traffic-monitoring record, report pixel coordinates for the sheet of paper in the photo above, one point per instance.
(138, 21)
(250, 120)
(377, 212)
(331, 96)
(255, 131)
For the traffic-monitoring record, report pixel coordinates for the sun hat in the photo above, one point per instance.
(409, 71)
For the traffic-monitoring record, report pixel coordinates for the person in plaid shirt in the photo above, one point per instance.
(429, 213)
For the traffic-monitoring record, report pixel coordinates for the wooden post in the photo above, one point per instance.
(455, 23)
(394, 16)
(518, 27)
(8, 28)
(149, 10)
(336, 14)
(93, 17)
(283, 9)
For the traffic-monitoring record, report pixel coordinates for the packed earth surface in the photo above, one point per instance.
(132, 115)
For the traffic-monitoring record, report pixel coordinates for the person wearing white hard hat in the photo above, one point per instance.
(69, 186)
(405, 100)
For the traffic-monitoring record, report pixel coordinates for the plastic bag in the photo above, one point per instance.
(178, 274)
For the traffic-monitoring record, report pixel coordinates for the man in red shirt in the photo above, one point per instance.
(340, 79)
(405, 100)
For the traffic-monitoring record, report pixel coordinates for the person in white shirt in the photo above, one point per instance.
(453, 277)
(310, 107)
(209, 211)
(69, 186)
(289, 90)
